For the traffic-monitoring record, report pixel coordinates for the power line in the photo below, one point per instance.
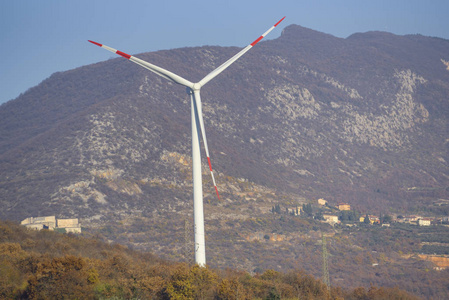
(325, 266)
(187, 242)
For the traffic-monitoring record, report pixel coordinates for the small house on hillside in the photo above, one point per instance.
(424, 222)
(412, 218)
(372, 219)
(344, 206)
(331, 219)
(295, 211)
(322, 202)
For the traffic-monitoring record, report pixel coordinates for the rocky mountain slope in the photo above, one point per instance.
(362, 120)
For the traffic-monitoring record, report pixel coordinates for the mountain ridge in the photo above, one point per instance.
(361, 120)
(299, 80)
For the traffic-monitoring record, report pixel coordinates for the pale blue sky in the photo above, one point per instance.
(40, 37)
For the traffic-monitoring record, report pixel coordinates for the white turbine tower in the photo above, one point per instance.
(193, 89)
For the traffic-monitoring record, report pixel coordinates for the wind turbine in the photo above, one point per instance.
(193, 90)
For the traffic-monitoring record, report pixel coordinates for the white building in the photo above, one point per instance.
(70, 225)
(322, 202)
(39, 223)
(51, 223)
(331, 219)
(424, 222)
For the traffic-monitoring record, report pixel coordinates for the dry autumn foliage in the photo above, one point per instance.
(50, 265)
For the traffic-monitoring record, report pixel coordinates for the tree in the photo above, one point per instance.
(276, 209)
(387, 219)
(273, 294)
(308, 210)
(319, 215)
(230, 289)
(348, 215)
(59, 278)
(180, 284)
(203, 282)
(366, 220)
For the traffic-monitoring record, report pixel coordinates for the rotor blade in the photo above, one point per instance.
(158, 70)
(221, 68)
(197, 99)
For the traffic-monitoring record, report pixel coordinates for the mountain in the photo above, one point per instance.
(361, 120)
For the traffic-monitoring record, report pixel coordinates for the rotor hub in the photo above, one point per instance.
(196, 86)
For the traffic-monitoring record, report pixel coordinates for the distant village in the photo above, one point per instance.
(51, 223)
(342, 213)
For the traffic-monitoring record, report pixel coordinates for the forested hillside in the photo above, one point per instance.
(51, 265)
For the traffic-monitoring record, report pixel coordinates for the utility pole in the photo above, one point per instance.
(325, 266)
(187, 242)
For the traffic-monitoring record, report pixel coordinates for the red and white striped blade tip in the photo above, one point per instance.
(263, 35)
(218, 195)
(279, 22)
(95, 43)
(213, 179)
(125, 55)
